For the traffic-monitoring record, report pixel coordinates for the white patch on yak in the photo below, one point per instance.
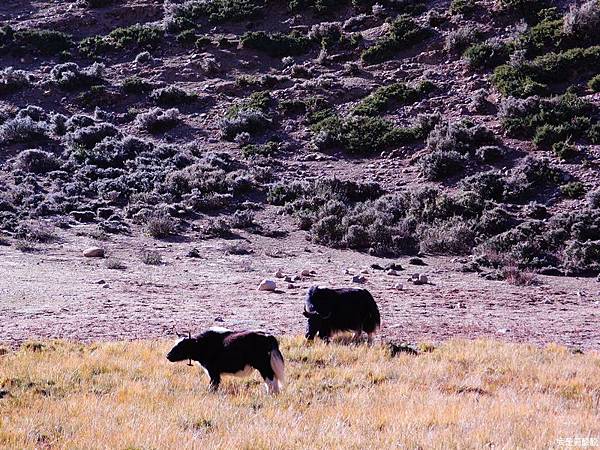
(220, 330)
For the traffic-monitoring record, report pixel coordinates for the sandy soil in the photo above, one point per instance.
(57, 293)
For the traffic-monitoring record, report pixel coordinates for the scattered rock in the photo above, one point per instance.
(267, 285)
(94, 252)
(392, 272)
(279, 274)
(503, 330)
(399, 286)
(423, 279)
(306, 273)
(193, 253)
(376, 267)
(348, 272)
(288, 279)
(359, 279)
(365, 271)
(394, 266)
(100, 282)
(417, 262)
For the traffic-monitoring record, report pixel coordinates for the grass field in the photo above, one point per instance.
(463, 394)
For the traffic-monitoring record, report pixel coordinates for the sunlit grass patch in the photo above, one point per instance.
(461, 394)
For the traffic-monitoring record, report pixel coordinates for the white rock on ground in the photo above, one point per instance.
(399, 286)
(94, 252)
(267, 285)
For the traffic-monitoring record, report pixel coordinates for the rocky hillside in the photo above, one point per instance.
(394, 127)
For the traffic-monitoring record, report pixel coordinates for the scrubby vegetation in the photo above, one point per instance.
(204, 108)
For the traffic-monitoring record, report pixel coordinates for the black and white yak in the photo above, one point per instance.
(335, 310)
(220, 351)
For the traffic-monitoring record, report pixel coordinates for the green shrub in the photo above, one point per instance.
(441, 164)
(260, 101)
(548, 120)
(45, 42)
(403, 34)
(277, 44)
(527, 9)
(515, 82)
(464, 7)
(136, 85)
(268, 149)
(361, 134)
(487, 55)
(564, 150)
(574, 189)
(171, 96)
(451, 237)
(543, 37)
(320, 7)
(187, 14)
(594, 84)
(142, 36)
(397, 93)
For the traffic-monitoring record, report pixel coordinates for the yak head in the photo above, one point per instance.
(317, 320)
(186, 348)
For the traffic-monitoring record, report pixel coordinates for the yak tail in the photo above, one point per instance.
(277, 365)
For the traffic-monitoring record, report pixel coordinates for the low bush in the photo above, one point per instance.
(22, 130)
(574, 189)
(141, 36)
(277, 44)
(564, 150)
(463, 7)
(157, 120)
(404, 32)
(45, 42)
(488, 54)
(527, 9)
(12, 80)
(361, 135)
(460, 39)
(159, 226)
(250, 121)
(396, 93)
(582, 22)
(70, 76)
(136, 85)
(188, 14)
(593, 199)
(548, 121)
(594, 84)
(36, 161)
(171, 96)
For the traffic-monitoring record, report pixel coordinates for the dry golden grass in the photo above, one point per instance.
(464, 394)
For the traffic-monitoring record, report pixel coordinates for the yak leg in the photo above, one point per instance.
(370, 338)
(215, 380)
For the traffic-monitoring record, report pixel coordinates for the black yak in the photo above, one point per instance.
(220, 351)
(334, 310)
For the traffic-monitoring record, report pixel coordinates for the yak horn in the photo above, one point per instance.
(310, 313)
